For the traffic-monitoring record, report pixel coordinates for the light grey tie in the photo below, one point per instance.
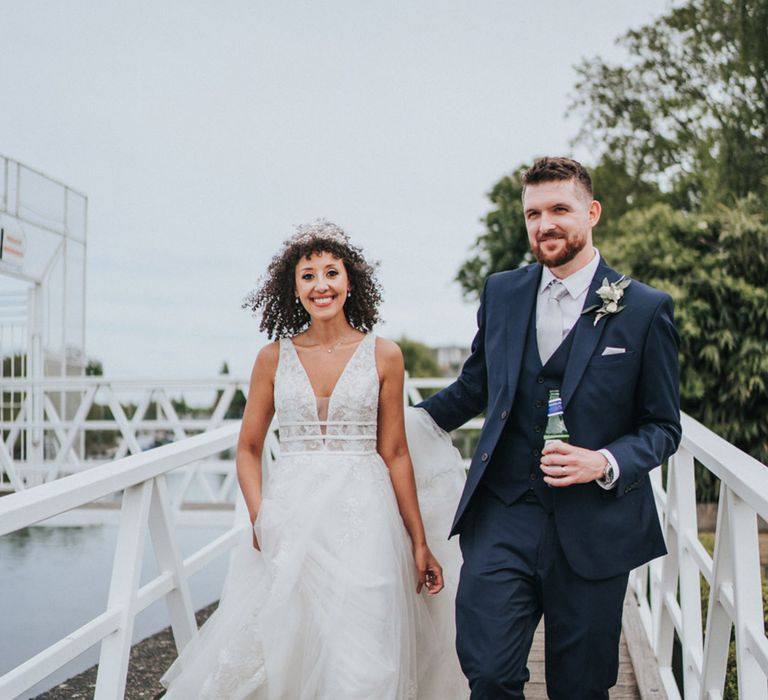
(549, 333)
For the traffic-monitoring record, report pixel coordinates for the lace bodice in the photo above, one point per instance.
(352, 408)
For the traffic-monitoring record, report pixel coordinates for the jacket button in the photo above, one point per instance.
(484, 457)
(536, 428)
(540, 380)
(540, 403)
(535, 453)
(533, 476)
(504, 414)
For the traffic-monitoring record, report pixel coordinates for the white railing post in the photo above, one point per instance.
(222, 405)
(124, 586)
(128, 438)
(179, 601)
(69, 442)
(682, 472)
(58, 431)
(7, 465)
(665, 598)
(122, 421)
(718, 633)
(164, 403)
(748, 599)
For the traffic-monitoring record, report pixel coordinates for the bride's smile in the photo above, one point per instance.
(322, 285)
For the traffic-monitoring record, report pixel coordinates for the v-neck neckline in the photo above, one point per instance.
(338, 380)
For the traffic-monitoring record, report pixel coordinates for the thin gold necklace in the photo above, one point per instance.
(332, 347)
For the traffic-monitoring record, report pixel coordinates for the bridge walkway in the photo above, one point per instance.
(152, 656)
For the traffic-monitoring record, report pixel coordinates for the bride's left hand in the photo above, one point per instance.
(429, 570)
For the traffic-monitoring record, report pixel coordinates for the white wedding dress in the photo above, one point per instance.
(328, 609)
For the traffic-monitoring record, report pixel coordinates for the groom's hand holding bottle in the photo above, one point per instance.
(565, 464)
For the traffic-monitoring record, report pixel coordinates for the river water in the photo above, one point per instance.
(55, 579)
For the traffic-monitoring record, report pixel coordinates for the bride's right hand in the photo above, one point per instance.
(429, 570)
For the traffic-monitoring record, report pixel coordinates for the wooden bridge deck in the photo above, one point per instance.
(151, 657)
(625, 689)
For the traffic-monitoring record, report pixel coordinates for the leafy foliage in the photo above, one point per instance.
(715, 266)
(419, 360)
(690, 107)
(94, 368)
(236, 407)
(504, 244)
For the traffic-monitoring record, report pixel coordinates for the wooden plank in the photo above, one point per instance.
(644, 662)
(626, 687)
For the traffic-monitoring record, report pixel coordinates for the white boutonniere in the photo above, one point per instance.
(611, 294)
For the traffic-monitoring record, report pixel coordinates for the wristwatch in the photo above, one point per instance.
(608, 474)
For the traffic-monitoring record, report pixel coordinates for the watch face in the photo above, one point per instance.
(608, 474)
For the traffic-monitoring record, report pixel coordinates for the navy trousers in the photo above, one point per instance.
(514, 571)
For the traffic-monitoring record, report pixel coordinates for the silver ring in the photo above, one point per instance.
(562, 469)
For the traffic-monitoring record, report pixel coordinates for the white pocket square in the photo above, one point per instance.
(612, 351)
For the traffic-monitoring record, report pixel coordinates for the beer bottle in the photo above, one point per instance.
(555, 429)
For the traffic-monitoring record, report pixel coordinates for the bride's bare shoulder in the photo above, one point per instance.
(266, 359)
(388, 354)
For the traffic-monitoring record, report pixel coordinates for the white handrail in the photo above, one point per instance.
(28, 507)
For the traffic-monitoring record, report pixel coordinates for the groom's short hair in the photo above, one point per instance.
(550, 168)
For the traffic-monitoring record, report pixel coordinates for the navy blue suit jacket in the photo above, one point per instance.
(627, 403)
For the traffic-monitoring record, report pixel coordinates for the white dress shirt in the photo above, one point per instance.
(571, 305)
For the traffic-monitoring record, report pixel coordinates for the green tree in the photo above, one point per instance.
(504, 243)
(94, 368)
(689, 109)
(715, 266)
(619, 192)
(236, 407)
(419, 358)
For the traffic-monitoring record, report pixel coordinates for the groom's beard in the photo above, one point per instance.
(574, 244)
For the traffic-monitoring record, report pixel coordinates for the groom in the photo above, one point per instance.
(555, 530)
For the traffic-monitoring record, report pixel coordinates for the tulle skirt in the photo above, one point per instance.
(328, 609)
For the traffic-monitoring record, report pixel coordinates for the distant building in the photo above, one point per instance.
(450, 359)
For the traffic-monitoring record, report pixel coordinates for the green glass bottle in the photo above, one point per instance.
(555, 429)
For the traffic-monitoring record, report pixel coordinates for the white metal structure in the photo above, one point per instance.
(733, 572)
(42, 290)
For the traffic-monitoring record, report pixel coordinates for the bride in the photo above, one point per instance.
(334, 594)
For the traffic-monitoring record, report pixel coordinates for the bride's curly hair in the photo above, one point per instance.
(274, 298)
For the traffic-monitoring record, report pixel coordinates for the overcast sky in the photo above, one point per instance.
(203, 132)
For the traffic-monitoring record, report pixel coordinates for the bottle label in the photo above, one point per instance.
(555, 407)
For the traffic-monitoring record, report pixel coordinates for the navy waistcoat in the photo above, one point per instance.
(514, 468)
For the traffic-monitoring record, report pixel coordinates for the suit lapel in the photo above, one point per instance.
(522, 303)
(586, 334)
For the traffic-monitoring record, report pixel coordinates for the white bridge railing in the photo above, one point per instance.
(45, 425)
(145, 506)
(666, 592)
